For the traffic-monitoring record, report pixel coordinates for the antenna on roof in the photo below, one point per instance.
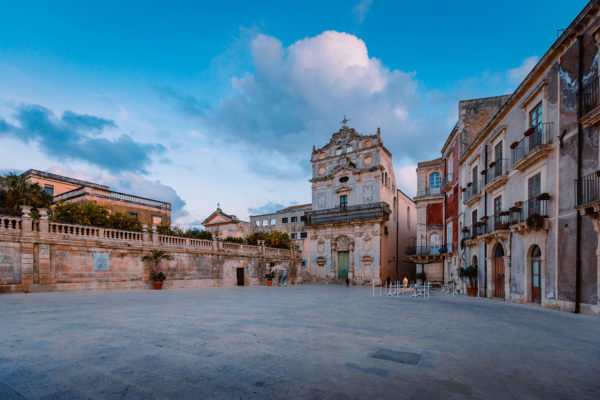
(345, 120)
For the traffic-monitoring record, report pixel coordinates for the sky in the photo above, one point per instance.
(199, 103)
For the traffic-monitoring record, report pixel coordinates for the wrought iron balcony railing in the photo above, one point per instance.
(448, 180)
(429, 191)
(339, 214)
(587, 189)
(541, 136)
(591, 96)
(472, 190)
(522, 210)
(498, 169)
(426, 250)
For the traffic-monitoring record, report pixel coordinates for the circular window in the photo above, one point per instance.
(368, 160)
(344, 179)
(321, 170)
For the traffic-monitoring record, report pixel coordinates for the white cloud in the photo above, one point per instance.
(361, 9)
(406, 178)
(516, 75)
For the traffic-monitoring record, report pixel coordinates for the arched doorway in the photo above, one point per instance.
(536, 281)
(499, 271)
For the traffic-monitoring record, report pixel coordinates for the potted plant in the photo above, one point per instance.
(542, 196)
(483, 171)
(529, 131)
(535, 221)
(469, 184)
(156, 276)
(465, 229)
(518, 204)
(484, 219)
(463, 189)
(469, 274)
(492, 164)
(514, 145)
(504, 213)
(270, 275)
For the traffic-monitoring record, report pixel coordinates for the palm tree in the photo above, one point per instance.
(155, 257)
(16, 191)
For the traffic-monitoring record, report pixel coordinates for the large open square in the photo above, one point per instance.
(310, 341)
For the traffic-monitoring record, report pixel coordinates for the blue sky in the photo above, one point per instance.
(198, 103)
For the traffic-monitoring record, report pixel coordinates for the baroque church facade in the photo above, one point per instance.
(359, 219)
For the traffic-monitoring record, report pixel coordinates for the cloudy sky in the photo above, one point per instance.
(203, 102)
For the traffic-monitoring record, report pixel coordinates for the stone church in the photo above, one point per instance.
(359, 219)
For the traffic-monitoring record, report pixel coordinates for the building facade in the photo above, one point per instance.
(357, 218)
(223, 225)
(69, 190)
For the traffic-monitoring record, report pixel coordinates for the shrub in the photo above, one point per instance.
(125, 222)
(234, 240)
(280, 240)
(81, 213)
(15, 191)
(196, 233)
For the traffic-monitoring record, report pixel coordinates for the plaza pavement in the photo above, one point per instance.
(309, 341)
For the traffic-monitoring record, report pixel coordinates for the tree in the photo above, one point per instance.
(82, 213)
(195, 233)
(234, 240)
(125, 222)
(155, 257)
(275, 239)
(16, 191)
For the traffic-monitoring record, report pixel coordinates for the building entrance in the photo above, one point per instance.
(240, 276)
(499, 272)
(343, 264)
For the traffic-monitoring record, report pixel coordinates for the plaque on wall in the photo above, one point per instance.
(100, 261)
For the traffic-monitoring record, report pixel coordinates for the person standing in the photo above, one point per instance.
(347, 282)
(388, 280)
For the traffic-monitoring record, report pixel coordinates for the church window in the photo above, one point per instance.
(408, 217)
(344, 179)
(284, 220)
(434, 180)
(343, 201)
(294, 219)
(367, 143)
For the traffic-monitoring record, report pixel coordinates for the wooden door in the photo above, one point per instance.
(240, 276)
(536, 278)
(343, 264)
(499, 277)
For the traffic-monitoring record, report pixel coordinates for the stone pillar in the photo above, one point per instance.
(26, 263)
(490, 273)
(44, 222)
(507, 277)
(215, 245)
(45, 277)
(26, 220)
(154, 234)
(145, 233)
(596, 223)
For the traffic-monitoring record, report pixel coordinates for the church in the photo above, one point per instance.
(359, 219)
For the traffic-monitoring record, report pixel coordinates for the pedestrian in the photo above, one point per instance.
(347, 282)
(388, 280)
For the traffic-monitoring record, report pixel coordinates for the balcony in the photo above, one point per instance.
(528, 215)
(587, 193)
(532, 148)
(344, 214)
(448, 182)
(472, 193)
(591, 97)
(429, 192)
(420, 254)
(496, 175)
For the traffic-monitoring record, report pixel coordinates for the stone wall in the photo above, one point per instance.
(47, 256)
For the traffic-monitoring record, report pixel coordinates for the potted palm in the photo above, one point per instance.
(157, 277)
(270, 275)
(469, 274)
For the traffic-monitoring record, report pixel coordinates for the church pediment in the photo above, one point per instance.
(219, 217)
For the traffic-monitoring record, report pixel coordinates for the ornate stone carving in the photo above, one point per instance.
(367, 244)
(321, 247)
(321, 261)
(366, 260)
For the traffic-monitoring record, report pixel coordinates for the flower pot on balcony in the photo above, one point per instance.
(542, 196)
(465, 229)
(514, 145)
(463, 189)
(514, 209)
(529, 131)
(518, 204)
(483, 172)
(491, 165)
(472, 291)
(469, 184)
(503, 213)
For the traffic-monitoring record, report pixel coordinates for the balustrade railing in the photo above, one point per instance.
(591, 96)
(117, 234)
(172, 240)
(10, 223)
(471, 191)
(348, 213)
(540, 136)
(587, 189)
(207, 244)
(73, 230)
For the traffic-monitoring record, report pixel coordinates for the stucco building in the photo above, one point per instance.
(358, 215)
(224, 225)
(67, 189)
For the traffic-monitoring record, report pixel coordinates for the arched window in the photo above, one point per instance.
(434, 240)
(434, 180)
(499, 251)
(536, 252)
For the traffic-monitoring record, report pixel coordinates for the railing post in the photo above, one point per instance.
(215, 245)
(155, 234)
(44, 222)
(26, 220)
(145, 233)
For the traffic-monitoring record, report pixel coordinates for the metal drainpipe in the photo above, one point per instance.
(579, 158)
(485, 266)
(444, 230)
(397, 231)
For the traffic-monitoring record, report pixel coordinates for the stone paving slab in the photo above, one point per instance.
(309, 341)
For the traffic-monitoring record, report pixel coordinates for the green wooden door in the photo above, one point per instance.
(343, 264)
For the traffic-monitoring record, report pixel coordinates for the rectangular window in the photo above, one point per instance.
(265, 222)
(449, 236)
(473, 217)
(497, 210)
(49, 189)
(156, 220)
(475, 179)
(303, 235)
(303, 218)
(534, 188)
(284, 220)
(273, 221)
(293, 235)
(294, 219)
(535, 121)
(343, 201)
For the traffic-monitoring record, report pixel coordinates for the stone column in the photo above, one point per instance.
(145, 233)
(507, 277)
(490, 273)
(154, 234)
